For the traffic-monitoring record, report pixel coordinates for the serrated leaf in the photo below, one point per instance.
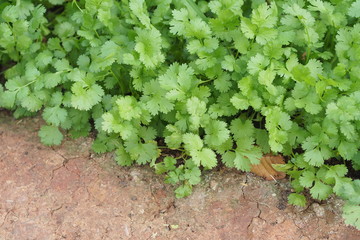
(128, 108)
(122, 157)
(183, 191)
(148, 45)
(349, 190)
(307, 179)
(204, 157)
(297, 199)
(314, 157)
(99, 146)
(84, 98)
(351, 214)
(31, 102)
(192, 142)
(228, 159)
(54, 115)
(354, 10)
(216, 133)
(167, 165)
(193, 175)
(241, 162)
(347, 149)
(320, 190)
(339, 170)
(7, 99)
(50, 135)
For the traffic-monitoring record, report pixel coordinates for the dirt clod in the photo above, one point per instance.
(319, 210)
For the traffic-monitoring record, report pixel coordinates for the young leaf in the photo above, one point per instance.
(54, 115)
(50, 135)
(307, 179)
(297, 199)
(204, 157)
(183, 191)
(85, 97)
(351, 214)
(320, 190)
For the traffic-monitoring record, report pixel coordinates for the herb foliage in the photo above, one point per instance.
(217, 81)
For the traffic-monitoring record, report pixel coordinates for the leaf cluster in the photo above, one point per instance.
(218, 80)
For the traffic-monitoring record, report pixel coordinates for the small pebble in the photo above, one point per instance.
(213, 185)
(319, 210)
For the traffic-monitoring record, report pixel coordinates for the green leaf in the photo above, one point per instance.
(204, 157)
(347, 149)
(302, 73)
(216, 133)
(228, 63)
(350, 190)
(175, 138)
(248, 28)
(98, 146)
(173, 177)
(223, 83)
(351, 214)
(339, 170)
(148, 45)
(154, 98)
(241, 162)
(240, 102)
(307, 179)
(122, 157)
(56, 2)
(142, 153)
(50, 135)
(242, 129)
(138, 7)
(167, 165)
(262, 140)
(257, 63)
(183, 191)
(192, 142)
(7, 99)
(193, 175)
(32, 103)
(128, 108)
(52, 80)
(320, 190)
(85, 97)
(356, 161)
(314, 157)
(297, 199)
(195, 106)
(354, 10)
(228, 159)
(54, 115)
(106, 57)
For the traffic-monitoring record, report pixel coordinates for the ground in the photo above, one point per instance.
(68, 192)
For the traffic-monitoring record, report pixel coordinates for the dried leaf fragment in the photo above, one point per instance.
(264, 168)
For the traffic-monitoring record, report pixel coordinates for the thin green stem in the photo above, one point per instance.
(308, 50)
(121, 84)
(190, 4)
(201, 82)
(76, 4)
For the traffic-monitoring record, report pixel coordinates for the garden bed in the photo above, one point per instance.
(67, 192)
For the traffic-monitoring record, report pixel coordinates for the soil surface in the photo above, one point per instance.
(67, 192)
